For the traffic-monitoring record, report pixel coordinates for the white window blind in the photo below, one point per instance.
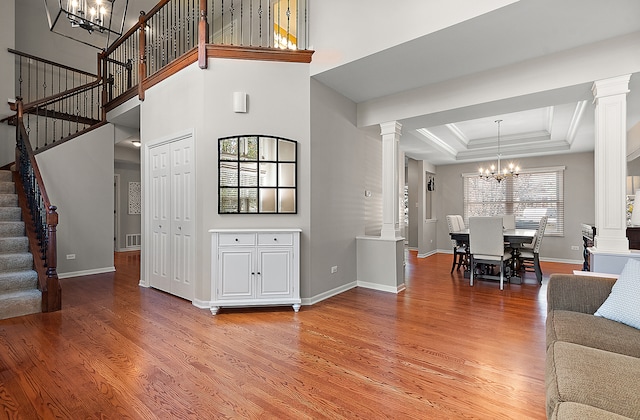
(531, 195)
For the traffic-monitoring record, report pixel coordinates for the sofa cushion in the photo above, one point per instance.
(623, 304)
(592, 331)
(604, 380)
(576, 411)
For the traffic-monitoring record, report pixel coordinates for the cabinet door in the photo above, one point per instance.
(274, 267)
(236, 276)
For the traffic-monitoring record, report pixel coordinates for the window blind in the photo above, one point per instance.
(531, 195)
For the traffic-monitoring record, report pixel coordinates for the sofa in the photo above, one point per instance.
(592, 362)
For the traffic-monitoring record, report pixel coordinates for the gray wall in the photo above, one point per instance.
(78, 176)
(129, 223)
(201, 101)
(7, 38)
(414, 181)
(579, 200)
(345, 161)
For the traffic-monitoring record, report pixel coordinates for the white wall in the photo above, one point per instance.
(345, 161)
(78, 176)
(201, 100)
(343, 31)
(579, 198)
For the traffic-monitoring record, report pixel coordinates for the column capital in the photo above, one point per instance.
(391, 127)
(612, 86)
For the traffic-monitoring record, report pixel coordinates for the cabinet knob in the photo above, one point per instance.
(258, 273)
(275, 239)
(236, 239)
(252, 273)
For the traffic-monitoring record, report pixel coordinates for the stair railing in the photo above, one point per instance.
(41, 227)
(64, 116)
(38, 78)
(177, 33)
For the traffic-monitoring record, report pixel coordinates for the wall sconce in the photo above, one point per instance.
(240, 102)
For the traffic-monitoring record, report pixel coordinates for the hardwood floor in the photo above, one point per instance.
(439, 350)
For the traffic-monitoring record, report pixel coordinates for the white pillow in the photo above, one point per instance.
(623, 304)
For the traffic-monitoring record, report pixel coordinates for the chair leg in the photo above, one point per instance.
(536, 265)
(454, 260)
(501, 275)
(472, 268)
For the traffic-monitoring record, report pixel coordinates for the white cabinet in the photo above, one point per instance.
(255, 268)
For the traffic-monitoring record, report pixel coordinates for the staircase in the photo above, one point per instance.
(19, 294)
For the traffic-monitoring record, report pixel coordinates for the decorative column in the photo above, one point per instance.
(611, 163)
(391, 133)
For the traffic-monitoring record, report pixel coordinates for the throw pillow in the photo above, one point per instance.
(623, 303)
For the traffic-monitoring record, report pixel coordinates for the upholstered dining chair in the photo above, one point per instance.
(486, 245)
(456, 223)
(509, 221)
(530, 257)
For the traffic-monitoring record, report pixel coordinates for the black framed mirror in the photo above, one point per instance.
(257, 174)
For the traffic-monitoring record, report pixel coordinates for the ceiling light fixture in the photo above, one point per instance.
(136, 143)
(499, 173)
(96, 17)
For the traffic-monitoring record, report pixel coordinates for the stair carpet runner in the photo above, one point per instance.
(19, 294)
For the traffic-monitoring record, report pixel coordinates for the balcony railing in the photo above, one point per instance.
(176, 33)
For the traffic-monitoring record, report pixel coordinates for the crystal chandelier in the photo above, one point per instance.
(102, 20)
(499, 173)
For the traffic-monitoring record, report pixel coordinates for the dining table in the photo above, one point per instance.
(514, 237)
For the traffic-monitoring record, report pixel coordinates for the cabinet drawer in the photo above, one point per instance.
(227, 239)
(275, 239)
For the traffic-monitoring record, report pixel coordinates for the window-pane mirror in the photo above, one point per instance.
(257, 174)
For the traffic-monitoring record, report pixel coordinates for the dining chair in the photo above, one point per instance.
(530, 257)
(459, 248)
(509, 221)
(486, 245)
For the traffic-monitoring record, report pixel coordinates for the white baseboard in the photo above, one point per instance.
(381, 287)
(428, 254)
(326, 295)
(143, 283)
(202, 304)
(86, 272)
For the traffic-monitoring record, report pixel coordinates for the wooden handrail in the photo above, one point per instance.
(33, 195)
(49, 99)
(53, 63)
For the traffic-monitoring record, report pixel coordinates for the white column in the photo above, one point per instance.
(400, 200)
(611, 163)
(390, 132)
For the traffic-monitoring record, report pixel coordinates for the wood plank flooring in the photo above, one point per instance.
(439, 350)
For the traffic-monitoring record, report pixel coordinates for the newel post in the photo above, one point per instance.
(142, 63)
(54, 300)
(203, 35)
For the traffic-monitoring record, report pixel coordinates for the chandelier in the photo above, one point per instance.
(93, 22)
(499, 173)
(89, 15)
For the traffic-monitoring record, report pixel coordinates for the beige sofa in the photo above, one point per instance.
(593, 364)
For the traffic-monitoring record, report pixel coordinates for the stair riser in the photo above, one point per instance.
(11, 229)
(6, 176)
(19, 304)
(15, 262)
(14, 245)
(8, 200)
(23, 280)
(10, 214)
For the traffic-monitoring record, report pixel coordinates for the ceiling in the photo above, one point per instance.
(555, 122)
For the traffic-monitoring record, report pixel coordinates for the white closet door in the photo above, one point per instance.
(172, 211)
(182, 215)
(160, 218)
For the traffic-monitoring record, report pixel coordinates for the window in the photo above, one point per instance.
(257, 174)
(531, 195)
